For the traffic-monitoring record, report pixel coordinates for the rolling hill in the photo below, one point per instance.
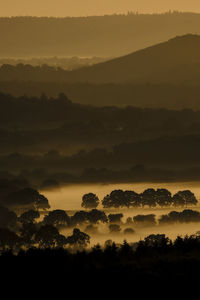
(107, 36)
(176, 61)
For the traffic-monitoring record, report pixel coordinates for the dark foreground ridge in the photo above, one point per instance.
(153, 260)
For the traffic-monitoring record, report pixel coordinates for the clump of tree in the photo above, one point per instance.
(8, 218)
(9, 240)
(150, 198)
(29, 216)
(94, 216)
(184, 198)
(90, 201)
(155, 240)
(186, 216)
(48, 236)
(27, 197)
(148, 220)
(57, 218)
(115, 218)
(78, 238)
(119, 198)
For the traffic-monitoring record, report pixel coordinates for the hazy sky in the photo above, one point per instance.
(92, 7)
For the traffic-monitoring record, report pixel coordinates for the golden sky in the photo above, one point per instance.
(92, 7)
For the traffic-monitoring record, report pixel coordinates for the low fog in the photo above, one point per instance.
(69, 198)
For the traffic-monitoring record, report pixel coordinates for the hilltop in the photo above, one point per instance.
(108, 36)
(175, 61)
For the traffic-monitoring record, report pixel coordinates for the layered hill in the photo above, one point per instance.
(176, 61)
(108, 36)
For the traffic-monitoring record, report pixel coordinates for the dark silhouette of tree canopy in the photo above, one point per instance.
(57, 217)
(115, 199)
(90, 201)
(159, 240)
(27, 197)
(115, 218)
(27, 233)
(163, 197)
(48, 237)
(29, 216)
(184, 198)
(186, 216)
(145, 219)
(132, 199)
(79, 217)
(94, 216)
(78, 238)
(150, 197)
(9, 240)
(8, 219)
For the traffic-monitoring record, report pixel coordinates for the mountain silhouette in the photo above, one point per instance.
(176, 61)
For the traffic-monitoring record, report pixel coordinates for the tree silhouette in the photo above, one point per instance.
(8, 219)
(115, 218)
(57, 217)
(48, 237)
(90, 201)
(78, 238)
(9, 240)
(29, 216)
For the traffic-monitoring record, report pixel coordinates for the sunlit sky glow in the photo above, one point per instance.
(62, 8)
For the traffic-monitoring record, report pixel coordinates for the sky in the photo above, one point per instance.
(62, 8)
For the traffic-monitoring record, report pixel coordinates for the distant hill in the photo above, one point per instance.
(176, 61)
(113, 35)
(163, 75)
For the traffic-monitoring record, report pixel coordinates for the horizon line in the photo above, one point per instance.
(129, 13)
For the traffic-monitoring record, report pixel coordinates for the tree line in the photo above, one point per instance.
(150, 197)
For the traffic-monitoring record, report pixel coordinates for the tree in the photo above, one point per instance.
(78, 238)
(148, 197)
(185, 216)
(95, 215)
(57, 217)
(90, 201)
(184, 198)
(27, 233)
(178, 200)
(9, 240)
(29, 216)
(79, 217)
(115, 199)
(115, 218)
(27, 197)
(48, 237)
(163, 197)
(132, 199)
(156, 240)
(145, 219)
(8, 219)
